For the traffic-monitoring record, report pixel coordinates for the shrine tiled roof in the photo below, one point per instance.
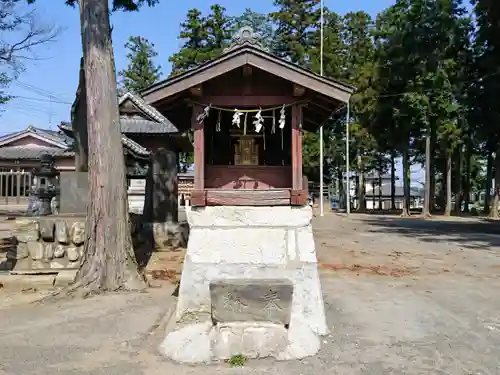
(156, 124)
(128, 143)
(135, 147)
(142, 126)
(31, 153)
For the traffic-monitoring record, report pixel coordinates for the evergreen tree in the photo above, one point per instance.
(109, 262)
(218, 27)
(358, 45)
(194, 50)
(260, 23)
(141, 71)
(487, 89)
(296, 21)
(333, 47)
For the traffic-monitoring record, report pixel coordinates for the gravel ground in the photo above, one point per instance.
(402, 297)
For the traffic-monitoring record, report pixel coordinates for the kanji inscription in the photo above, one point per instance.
(266, 300)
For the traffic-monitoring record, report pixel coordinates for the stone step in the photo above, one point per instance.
(166, 265)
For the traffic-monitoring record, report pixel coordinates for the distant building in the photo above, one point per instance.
(144, 130)
(378, 193)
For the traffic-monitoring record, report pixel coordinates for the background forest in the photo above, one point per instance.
(427, 74)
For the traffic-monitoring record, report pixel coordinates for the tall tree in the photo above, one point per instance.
(108, 262)
(296, 21)
(488, 87)
(397, 72)
(260, 23)
(194, 50)
(218, 27)
(141, 71)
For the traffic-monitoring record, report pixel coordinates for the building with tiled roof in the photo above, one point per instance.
(144, 129)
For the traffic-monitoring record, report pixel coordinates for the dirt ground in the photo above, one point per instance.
(402, 296)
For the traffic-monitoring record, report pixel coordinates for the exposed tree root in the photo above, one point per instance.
(405, 213)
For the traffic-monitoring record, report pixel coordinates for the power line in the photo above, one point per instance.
(38, 90)
(41, 99)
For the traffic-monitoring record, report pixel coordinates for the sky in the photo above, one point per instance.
(46, 89)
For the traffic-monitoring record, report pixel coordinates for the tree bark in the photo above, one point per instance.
(393, 180)
(362, 192)
(467, 183)
(458, 182)
(361, 186)
(109, 262)
(433, 168)
(341, 189)
(427, 194)
(447, 210)
(79, 123)
(489, 178)
(496, 189)
(373, 193)
(379, 190)
(406, 183)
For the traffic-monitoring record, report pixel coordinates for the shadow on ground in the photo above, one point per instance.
(473, 234)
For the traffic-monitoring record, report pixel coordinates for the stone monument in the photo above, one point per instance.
(45, 187)
(74, 193)
(250, 286)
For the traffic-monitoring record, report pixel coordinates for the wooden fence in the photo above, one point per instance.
(14, 187)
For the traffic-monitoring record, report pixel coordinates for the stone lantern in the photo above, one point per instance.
(45, 187)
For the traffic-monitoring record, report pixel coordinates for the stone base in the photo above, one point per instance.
(228, 243)
(204, 342)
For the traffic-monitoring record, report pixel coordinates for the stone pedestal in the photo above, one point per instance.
(161, 203)
(74, 192)
(247, 245)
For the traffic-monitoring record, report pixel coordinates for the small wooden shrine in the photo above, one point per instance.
(247, 110)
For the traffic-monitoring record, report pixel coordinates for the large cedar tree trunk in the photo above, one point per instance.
(341, 189)
(467, 183)
(427, 195)
(109, 262)
(361, 186)
(380, 190)
(458, 182)
(393, 180)
(489, 178)
(496, 187)
(406, 183)
(362, 192)
(432, 180)
(447, 210)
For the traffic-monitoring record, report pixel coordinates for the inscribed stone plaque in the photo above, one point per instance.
(253, 300)
(74, 194)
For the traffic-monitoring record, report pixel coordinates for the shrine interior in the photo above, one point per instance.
(227, 144)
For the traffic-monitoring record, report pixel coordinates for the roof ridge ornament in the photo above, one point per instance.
(245, 36)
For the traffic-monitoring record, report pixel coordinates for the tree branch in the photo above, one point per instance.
(21, 32)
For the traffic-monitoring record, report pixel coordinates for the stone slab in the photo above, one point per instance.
(65, 277)
(74, 194)
(244, 216)
(251, 300)
(202, 342)
(19, 282)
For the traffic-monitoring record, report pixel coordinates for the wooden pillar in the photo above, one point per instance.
(296, 148)
(198, 195)
(299, 191)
